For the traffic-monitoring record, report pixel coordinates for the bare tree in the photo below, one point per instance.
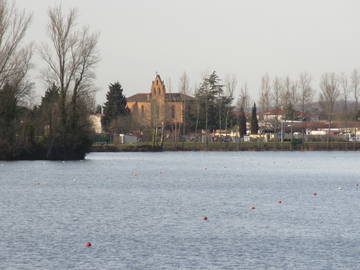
(294, 93)
(305, 95)
(329, 86)
(198, 104)
(14, 56)
(15, 88)
(184, 84)
(244, 98)
(290, 94)
(184, 90)
(265, 93)
(168, 82)
(345, 92)
(70, 59)
(355, 88)
(285, 96)
(230, 87)
(277, 89)
(306, 92)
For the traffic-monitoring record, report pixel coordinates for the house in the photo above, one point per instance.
(275, 114)
(95, 120)
(158, 107)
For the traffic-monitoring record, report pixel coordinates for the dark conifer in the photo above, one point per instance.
(254, 126)
(242, 123)
(51, 96)
(115, 105)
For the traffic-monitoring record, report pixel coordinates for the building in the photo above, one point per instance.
(275, 114)
(158, 107)
(95, 120)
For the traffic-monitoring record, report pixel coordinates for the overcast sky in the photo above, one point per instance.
(243, 37)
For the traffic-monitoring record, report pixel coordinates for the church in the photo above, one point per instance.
(158, 107)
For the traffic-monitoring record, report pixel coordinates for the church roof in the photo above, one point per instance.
(138, 98)
(177, 97)
(169, 97)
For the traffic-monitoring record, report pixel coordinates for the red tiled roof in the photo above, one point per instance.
(138, 97)
(168, 97)
(275, 112)
(177, 97)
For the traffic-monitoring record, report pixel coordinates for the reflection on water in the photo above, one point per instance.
(146, 211)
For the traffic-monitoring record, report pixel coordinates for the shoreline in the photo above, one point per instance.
(230, 147)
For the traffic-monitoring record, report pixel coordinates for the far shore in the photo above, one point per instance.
(247, 146)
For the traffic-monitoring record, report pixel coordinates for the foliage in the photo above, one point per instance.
(115, 109)
(70, 57)
(290, 113)
(357, 116)
(254, 126)
(98, 109)
(212, 103)
(242, 123)
(17, 132)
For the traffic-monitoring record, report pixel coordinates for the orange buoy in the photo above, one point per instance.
(205, 218)
(280, 201)
(88, 244)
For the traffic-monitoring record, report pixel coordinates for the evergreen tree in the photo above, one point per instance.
(51, 96)
(242, 123)
(98, 109)
(8, 114)
(212, 103)
(254, 126)
(115, 106)
(49, 109)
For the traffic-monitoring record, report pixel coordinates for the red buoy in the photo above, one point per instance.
(252, 207)
(205, 218)
(314, 194)
(280, 201)
(88, 244)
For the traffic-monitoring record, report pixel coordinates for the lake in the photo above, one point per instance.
(266, 210)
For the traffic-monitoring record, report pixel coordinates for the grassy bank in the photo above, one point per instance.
(245, 146)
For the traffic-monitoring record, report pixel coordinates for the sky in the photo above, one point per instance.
(244, 38)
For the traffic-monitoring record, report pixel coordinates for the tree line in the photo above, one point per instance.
(59, 127)
(215, 106)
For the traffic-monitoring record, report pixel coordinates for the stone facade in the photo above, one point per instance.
(159, 107)
(95, 120)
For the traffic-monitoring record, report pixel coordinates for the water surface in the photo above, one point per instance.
(145, 211)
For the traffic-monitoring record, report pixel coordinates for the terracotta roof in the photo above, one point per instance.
(237, 113)
(138, 97)
(168, 97)
(275, 112)
(177, 97)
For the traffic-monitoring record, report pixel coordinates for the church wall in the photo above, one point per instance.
(157, 109)
(178, 106)
(143, 118)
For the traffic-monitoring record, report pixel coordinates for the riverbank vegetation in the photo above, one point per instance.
(210, 117)
(58, 128)
(229, 146)
(287, 109)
